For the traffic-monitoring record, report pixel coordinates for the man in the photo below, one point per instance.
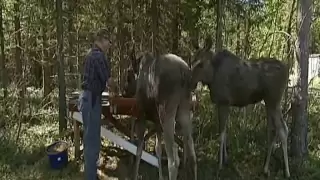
(96, 77)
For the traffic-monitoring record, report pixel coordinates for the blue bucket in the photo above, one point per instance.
(58, 154)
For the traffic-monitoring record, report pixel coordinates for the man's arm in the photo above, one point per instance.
(102, 68)
(88, 72)
(108, 65)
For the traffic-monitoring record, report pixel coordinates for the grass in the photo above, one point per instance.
(25, 158)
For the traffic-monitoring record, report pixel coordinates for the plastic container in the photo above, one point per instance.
(58, 154)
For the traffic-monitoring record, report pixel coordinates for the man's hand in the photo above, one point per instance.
(109, 85)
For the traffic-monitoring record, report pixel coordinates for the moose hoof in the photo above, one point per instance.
(225, 161)
(266, 172)
(218, 174)
(287, 175)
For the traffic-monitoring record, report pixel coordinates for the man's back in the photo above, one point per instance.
(96, 72)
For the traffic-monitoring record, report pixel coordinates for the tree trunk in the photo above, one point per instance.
(78, 57)
(155, 27)
(219, 10)
(46, 64)
(20, 82)
(238, 46)
(299, 144)
(289, 51)
(246, 51)
(36, 62)
(121, 42)
(18, 51)
(4, 79)
(61, 75)
(195, 32)
(71, 35)
(133, 32)
(175, 26)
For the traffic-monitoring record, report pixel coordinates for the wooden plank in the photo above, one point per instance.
(76, 128)
(152, 160)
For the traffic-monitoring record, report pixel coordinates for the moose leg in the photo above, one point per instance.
(168, 124)
(186, 125)
(282, 132)
(140, 124)
(223, 112)
(272, 137)
(159, 152)
(270, 149)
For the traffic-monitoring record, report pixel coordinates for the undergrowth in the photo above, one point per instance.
(23, 152)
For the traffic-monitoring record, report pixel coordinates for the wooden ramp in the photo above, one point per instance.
(121, 142)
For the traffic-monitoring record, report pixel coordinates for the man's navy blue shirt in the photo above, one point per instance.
(96, 72)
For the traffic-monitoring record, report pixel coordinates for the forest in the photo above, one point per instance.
(43, 44)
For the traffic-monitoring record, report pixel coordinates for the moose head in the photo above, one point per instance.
(202, 67)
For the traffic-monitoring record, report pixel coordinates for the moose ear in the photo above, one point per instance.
(208, 42)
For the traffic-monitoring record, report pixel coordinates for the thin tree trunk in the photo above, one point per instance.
(155, 27)
(175, 26)
(121, 42)
(4, 80)
(78, 57)
(61, 75)
(36, 63)
(195, 32)
(299, 144)
(219, 10)
(20, 82)
(71, 35)
(18, 52)
(238, 46)
(46, 64)
(133, 25)
(246, 51)
(289, 50)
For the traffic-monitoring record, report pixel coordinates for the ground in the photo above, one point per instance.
(26, 159)
(23, 154)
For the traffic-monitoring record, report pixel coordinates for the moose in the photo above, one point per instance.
(238, 83)
(129, 90)
(163, 95)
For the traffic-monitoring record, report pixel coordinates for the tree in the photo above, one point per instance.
(176, 32)
(299, 144)
(61, 75)
(219, 11)
(155, 26)
(18, 52)
(45, 51)
(3, 56)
